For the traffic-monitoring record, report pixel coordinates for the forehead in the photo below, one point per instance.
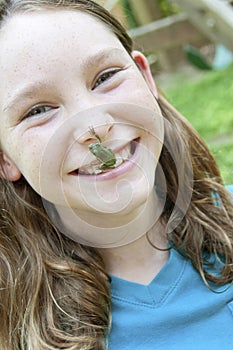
(40, 23)
(49, 34)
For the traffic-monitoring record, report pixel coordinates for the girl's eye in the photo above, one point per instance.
(105, 76)
(38, 110)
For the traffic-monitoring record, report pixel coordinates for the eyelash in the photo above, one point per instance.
(36, 108)
(106, 75)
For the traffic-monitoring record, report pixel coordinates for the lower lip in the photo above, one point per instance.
(119, 171)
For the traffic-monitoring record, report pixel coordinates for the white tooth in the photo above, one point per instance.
(119, 160)
(125, 154)
(91, 167)
(94, 168)
(97, 171)
(91, 170)
(118, 156)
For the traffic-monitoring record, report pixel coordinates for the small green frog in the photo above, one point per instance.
(102, 153)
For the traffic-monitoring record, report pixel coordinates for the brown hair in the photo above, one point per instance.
(55, 293)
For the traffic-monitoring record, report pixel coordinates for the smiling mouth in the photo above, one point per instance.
(123, 155)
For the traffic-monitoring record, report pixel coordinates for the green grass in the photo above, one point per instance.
(208, 104)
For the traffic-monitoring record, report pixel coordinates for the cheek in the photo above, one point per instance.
(141, 112)
(135, 90)
(29, 164)
(26, 153)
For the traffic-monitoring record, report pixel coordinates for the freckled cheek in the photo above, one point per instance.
(28, 158)
(136, 91)
(30, 165)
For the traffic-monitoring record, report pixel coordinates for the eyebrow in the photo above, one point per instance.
(98, 57)
(27, 91)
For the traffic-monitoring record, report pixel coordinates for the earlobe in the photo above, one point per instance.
(144, 67)
(8, 170)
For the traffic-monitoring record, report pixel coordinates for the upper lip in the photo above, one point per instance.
(96, 161)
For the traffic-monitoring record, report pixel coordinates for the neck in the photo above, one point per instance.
(138, 261)
(125, 248)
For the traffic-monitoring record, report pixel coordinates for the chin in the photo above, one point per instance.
(124, 201)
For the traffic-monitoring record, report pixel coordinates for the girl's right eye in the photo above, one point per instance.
(102, 78)
(37, 111)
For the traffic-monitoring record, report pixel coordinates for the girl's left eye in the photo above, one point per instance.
(105, 76)
(37, 110)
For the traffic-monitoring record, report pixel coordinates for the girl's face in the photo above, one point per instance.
(62, 73)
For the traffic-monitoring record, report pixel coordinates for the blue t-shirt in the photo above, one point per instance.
(175, 311)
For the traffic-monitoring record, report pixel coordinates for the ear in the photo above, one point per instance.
(8, 170)
(144, 67)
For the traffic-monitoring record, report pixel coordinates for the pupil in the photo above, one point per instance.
(38, 110)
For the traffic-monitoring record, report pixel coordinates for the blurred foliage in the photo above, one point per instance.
(168, 8)
(130, 16)
(207, 103)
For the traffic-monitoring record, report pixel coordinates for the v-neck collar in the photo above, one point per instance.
(156, 292)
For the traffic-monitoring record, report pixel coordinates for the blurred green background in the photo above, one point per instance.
(207, 102)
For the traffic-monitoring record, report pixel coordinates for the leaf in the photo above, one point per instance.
(196, 58)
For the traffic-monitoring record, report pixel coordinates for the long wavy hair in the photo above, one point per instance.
(54, 293)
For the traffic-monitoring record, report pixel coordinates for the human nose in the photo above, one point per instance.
(96, 133)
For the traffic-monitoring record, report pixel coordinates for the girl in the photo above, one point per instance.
(104, 185)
